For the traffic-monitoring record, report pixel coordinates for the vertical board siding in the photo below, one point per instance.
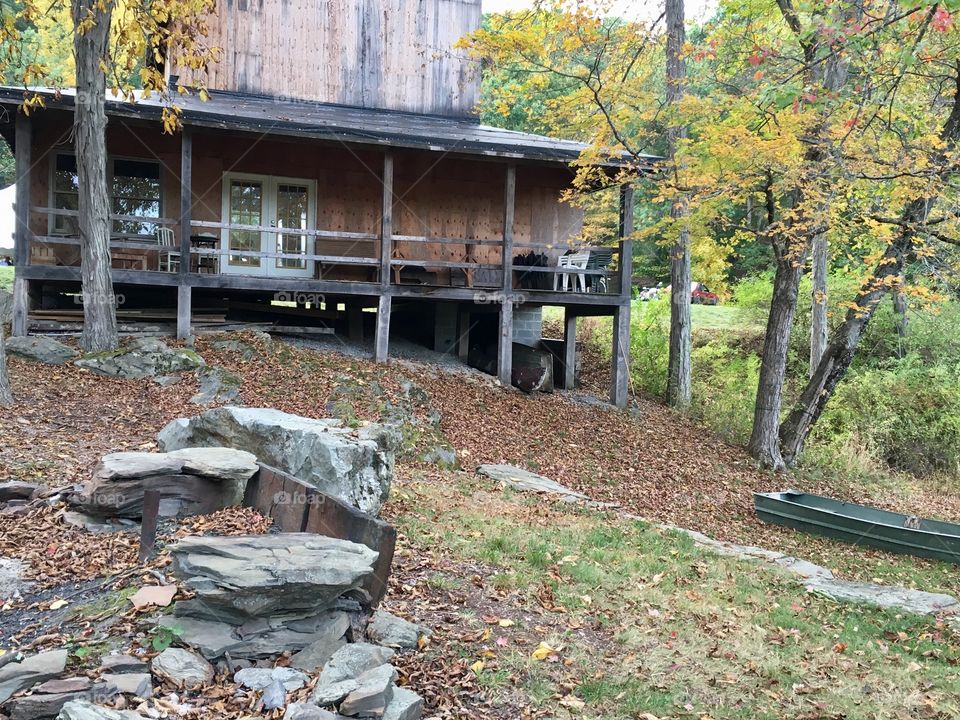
(393, 54)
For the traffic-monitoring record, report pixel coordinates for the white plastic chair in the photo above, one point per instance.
(167, 258)
(577, 260)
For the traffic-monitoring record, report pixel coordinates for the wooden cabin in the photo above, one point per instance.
(336, 173)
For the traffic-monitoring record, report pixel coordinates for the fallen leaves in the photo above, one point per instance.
(153, 596)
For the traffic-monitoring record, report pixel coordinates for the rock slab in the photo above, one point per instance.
(392, 631)
(182, 667)
(40, 349)
(142, 357)
(239, 578)
(526, 481)
(84, 710)
(16, 676)
(353, 465)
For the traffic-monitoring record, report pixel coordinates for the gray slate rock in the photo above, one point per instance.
(84, 710)
(274, 696)
(261, 678)
(47, 700)
(217, 385)
(95, 524)
(64, 685)
(256, 576)
(142, 357)
(353, 660)
(305, 711)
(217, 462)
(11, 577)
(884, 596)
(331, 637)
(122, 664)
(392, 631)
(16, 676)
(16, 490)
(373, 694)
(40, 349)
(353, 465)
(406, 705)
(182, 668)
(139, 684)
(526, 481)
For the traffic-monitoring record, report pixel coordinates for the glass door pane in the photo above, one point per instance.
(292, 213)
(246, 208)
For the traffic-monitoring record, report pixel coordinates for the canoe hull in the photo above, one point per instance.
(861, 525)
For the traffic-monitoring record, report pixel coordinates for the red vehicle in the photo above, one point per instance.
(700, 295)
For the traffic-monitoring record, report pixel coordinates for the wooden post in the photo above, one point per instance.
(463, 337)
(186, 204)
(21, 235)
(505, 345)
(148, 523)
(386, 220)
(569, 349)
(382, 346)
(620, 370)
(509, 207)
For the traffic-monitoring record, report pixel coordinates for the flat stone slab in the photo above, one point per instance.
(142, 357)
(262, 678)
(373, 694)
(84, 710)
(16, 676)
(40, 349)
(182, 668)
(406, 705)
(16, 490)
(256, 576)
(525, 481)
(306, 711)
(884, 596)
(387, 629)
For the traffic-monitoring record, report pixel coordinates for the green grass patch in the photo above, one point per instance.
(6, 278)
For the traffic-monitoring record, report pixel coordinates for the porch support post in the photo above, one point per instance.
(509, 206)
(620, 370)
(505, 345)
(463, 335)
(569, 349)
(386, 220)
(184, 295)
(21, 236)
(381, 349)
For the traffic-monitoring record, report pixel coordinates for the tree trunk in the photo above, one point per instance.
(764, 440)
(836, 360)
(900, 317)
(90, 122)
(818, 306)
(678, 370)
(6, 396)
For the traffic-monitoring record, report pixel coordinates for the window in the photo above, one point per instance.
(134, 188)
(246, 208)
(292, 213)
(66, 194)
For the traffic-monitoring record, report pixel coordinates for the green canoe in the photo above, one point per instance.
(861, 525)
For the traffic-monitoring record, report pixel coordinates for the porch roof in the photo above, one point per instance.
(287, 116)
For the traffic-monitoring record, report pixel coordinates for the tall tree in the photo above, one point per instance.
(91, 21)
(6, 396)
(123, 46)
(678, 366)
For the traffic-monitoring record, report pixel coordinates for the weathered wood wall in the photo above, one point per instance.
(395, 54)
(450, 197)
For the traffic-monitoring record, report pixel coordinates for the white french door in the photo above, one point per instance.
(268, 201)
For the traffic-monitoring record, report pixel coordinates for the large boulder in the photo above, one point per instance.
(236, 579)
(142, 357)
(190, 481)
(353, 465)
(40, 349)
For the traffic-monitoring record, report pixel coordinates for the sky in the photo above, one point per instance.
(634, 9)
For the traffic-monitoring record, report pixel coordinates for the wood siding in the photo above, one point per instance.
(392, 54)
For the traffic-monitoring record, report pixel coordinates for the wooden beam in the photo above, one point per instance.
(626, 244)
(386, 220)
(505, 344)
(21, 233)
(382, 347)
(569, 349)
(186, 200)
(509, 208)
(620, 362)
(184, 310)
(463, 335)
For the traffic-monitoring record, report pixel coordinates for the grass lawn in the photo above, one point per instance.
(6, 278)
(577, 613)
